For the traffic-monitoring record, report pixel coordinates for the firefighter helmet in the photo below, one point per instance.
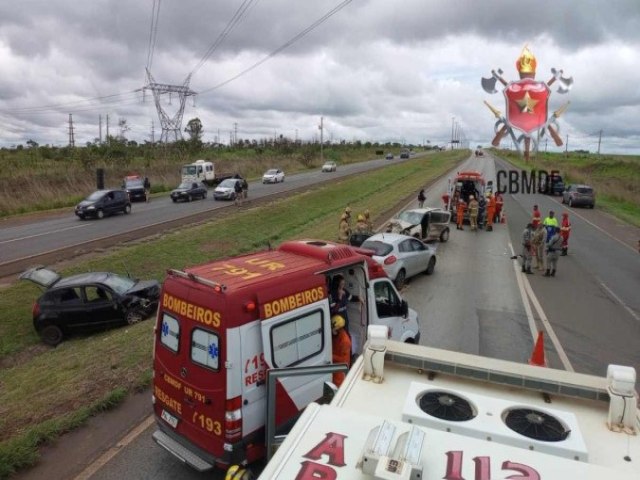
(236, 472)
(337, 322)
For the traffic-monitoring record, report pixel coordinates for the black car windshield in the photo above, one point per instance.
(413, 218)
(119, 284)
(133, 183)
(185, 185)
(382, 249)
(228, 183)
(95, 196)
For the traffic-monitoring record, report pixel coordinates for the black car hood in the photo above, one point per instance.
(180, 190)
(146, 288)
(86, 203)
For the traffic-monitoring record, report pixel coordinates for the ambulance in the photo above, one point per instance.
(220, 326)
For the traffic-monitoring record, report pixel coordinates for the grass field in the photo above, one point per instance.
(616, 179)
(45, 391)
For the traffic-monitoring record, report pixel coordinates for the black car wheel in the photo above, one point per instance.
(174, 200)
(133, 316)
(127, 209)
(51, 335)
(431, 267)
(204, 195)
(400, 279)
(81, 217)
(100, 214)
(189, 198)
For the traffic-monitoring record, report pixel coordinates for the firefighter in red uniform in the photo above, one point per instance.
(536, 219)
(565, 231)
(499, 205)
(445, 199)
(461, 207)
(341, 344)
(491, 212)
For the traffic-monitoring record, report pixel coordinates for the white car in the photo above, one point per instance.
(273, 175)
(329, 166)
(401, 256)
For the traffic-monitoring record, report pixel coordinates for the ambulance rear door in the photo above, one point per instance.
(298, 338)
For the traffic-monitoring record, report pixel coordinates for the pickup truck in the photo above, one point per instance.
(203, 171)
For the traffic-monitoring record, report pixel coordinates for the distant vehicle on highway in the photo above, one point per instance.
(329, 166)
(389, 156)
(551, 184)
(188, 191)
(579, 195)
(401, 256)
(404, 153)
(227, 189)
(88, 302)
(273, 175)
(134, 186)
(102, 203)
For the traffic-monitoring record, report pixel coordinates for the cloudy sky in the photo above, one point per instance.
(376, 70)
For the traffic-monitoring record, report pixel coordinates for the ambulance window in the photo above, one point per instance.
(170, 332)
(205, 348)
(296, 340)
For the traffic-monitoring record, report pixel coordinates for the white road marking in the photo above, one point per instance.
(573, 212)
(529, 296)
(45, 233)
(619, 300)
(117, 448)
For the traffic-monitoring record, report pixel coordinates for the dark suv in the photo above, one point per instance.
(102, 203)
(134, 186)
(552, 184)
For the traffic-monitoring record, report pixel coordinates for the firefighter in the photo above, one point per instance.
(550, 224)
(565, 231)
(499, 205)
(361, 225)
(421, 198)
(445, 199)
(460, 213)
(527, 237)
(347, 211)
(341, 346)
(147, 189)
(344, 231)
(236, 472)
(491, 212)
(535, 220)
(538, 245)
(474, 207)
(554, 246)
(367, 219)
(482, 211)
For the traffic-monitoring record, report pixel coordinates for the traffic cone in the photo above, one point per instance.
(537, 357)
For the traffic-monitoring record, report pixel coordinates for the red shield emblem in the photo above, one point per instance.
(527, 102)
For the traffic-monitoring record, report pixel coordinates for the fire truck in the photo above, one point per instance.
(409, 412)
(464, 185)
(222, 325)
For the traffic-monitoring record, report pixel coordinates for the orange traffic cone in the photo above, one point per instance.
(537, 357)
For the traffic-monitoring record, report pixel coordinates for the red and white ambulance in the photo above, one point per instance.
(221, 325)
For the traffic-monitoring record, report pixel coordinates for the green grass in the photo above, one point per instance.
(616, 179)
(48, 391)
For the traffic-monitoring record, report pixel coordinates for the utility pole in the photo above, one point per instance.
(153, 133)
(453, 121)
(546, 141)
(107, 139)
(599, 141)
(100, 129)
(235, 133)
(218, 137)
(566, 146)
(72, 142)
(321, 127)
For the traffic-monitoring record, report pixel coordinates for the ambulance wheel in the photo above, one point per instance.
(133, 316)
(444, 236)
(51, 335)
(400, 279)
(431, 266)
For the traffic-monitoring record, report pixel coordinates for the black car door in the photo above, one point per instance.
(101, 306)
(68, 306)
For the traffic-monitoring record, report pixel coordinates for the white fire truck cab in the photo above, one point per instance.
(408, 412)
(222, 325)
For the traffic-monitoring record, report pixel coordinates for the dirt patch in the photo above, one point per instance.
(23, 356)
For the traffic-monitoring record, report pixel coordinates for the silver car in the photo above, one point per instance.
(425, 223)
(401, 256)
(273, 175)
(575, 195)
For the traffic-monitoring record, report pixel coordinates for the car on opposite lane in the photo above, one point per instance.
(88, 302)
(273, 175)
(188, 191)
(579, 195)
(134, 186)
(389, 156)
(102, 203)
(401, 256)
(329, 166)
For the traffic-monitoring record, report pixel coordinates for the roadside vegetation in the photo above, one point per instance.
(43, 178)
(615, 178)
(47, 391)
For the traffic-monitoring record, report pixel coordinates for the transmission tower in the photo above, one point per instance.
(170, 125)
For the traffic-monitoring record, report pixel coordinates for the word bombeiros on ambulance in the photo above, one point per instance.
(222, 325)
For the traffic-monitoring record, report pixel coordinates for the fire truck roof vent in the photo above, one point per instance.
(536, 424)
(446, 406)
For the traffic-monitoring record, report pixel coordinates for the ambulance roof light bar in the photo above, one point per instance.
(219, 287)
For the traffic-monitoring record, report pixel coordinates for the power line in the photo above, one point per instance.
(297, 37)
(66, 105)
(153, 31)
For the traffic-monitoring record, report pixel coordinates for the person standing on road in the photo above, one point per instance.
(341, 346)
(238, 194)
(474, 207)
(421, 198)
(499, 205)
(445, 200)
(344, 231)
(147, 189)
(527, 238)
(554, 246)
(536, 218)
(367, 219)
(460, 213)
(491, 212)
(550, 224)
(565, 231)
(538, 245)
